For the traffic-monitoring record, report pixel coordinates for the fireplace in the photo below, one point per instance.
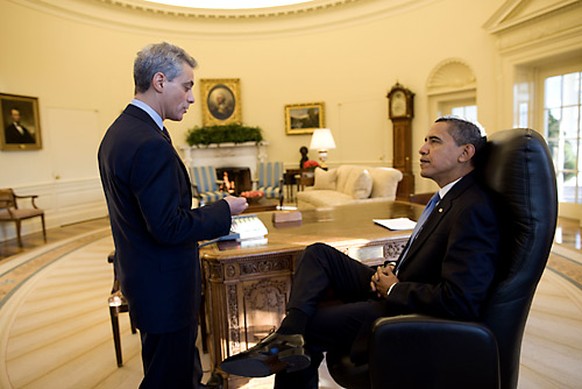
(235, 179)
(247, 154)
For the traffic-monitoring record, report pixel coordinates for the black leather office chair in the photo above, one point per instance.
(415, 351)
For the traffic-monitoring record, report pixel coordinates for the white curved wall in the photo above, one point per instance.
(80, 68)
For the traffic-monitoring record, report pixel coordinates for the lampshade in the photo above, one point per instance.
(322, 139)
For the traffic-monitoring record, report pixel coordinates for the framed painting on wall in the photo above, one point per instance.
(20, 123)
(304, 118)
(220, 101)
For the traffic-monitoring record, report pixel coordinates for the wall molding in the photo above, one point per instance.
(521, 24)
(64, 202)
(451, 75)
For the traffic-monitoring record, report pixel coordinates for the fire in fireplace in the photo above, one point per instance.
(234, 179)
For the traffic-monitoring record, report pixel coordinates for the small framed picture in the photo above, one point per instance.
(220, 101)
(304, 118)
(20, 123)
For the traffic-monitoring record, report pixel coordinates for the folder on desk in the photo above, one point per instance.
(398, 224)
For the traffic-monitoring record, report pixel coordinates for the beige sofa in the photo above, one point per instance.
(349, 184)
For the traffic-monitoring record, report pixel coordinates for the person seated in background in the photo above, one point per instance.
(446, 270)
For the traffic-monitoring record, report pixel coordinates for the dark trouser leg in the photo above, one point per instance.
(171, 359)
(326, 273)
(342, 327)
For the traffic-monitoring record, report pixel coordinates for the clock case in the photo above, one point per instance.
(402, 131)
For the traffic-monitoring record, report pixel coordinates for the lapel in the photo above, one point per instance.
(440, 212)
(143, 116)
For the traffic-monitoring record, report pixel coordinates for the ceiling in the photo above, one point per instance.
(229, 4)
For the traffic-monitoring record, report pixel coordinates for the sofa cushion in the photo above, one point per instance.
(385, 181)
(354, 181)
(325, 179)
(310, 199)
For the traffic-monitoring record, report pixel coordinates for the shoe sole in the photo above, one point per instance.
(253, 367)
(295, 359)
(288, 360)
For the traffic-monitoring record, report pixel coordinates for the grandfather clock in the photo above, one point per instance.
(401, 112)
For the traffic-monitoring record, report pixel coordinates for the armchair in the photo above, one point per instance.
(270, 180)
(10, 212)
(204, 184)
(416, 351)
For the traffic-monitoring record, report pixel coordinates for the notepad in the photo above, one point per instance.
(401, 223)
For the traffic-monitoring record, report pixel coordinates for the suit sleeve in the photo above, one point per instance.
(163, 195)
(464, 273)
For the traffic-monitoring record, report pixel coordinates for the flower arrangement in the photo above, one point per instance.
(310, 164)
(253, 196)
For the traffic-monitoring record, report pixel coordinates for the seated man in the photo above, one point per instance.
(445, 270)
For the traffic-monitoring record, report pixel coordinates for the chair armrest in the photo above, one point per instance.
(31, 197)
(196, 192)
(420, 351)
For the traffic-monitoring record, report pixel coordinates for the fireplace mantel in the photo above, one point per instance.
(247, 154)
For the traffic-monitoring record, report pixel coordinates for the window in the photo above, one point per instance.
(452, 105)
(562, 129)
(468, 112)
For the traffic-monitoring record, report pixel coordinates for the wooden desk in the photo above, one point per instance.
(246, 289)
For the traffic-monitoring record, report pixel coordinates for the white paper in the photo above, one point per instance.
(401, 223)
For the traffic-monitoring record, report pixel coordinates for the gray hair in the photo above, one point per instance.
(465, 132)
(159, 57)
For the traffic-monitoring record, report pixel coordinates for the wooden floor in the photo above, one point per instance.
(55, 331)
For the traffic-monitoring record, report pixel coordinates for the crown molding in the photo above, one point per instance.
(257, 13)
(519, 13)
(142, 16)
(520, 24)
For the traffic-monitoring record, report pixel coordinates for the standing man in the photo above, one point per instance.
(445, 270)
(16, 133)
(155, 231)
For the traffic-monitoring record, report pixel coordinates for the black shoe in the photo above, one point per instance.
(271, 355)
(214, 382)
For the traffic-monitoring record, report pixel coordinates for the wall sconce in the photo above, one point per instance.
(322, 141)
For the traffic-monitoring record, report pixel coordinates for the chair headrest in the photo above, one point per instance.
(518, 168)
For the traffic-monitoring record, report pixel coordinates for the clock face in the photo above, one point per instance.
(398, 104)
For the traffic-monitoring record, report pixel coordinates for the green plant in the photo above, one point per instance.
(229, 133)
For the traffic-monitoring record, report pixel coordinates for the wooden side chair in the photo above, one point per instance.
(117, 304)
(10, 212)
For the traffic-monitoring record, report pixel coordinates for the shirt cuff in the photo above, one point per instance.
(390, 289)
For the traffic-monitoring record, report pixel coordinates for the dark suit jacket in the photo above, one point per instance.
(155, 232)
(12, 135)
(450, 274)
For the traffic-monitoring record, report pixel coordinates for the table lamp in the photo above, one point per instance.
(322, 140)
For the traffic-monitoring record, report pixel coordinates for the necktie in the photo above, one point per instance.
(421, 220)
(166, 135)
